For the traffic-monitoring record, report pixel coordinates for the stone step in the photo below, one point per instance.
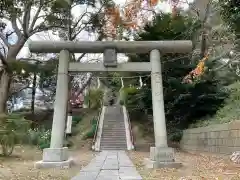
(114, 135)
(114, 142)
(113, 148)
(110, 144)
(114, 123)
(113, 131)
(113, 139)
(114, 127)
(109, 130)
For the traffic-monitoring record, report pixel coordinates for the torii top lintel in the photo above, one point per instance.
(178, 46)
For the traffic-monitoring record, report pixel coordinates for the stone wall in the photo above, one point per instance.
(220, 138)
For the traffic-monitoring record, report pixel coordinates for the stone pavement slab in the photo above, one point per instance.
(109, 165)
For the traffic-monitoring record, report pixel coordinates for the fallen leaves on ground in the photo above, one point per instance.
(20, 166)
(195, 167)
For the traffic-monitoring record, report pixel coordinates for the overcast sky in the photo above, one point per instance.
(77, 11)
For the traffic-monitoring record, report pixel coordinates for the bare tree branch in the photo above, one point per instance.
(18, 90)
(36, 16)
(80, 18)
(3, 54)
(41, 28)
(80, 57)
(20, 22)
(15, 27)
(85, 85)
(85, 24)
(26, 18)
(2, 57)
(79, 31)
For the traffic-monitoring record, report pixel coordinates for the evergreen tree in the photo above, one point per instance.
(184, 102)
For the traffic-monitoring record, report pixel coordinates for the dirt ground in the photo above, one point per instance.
(21, 165)
(195, 167)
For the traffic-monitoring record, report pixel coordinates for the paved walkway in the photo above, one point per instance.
(109, 165)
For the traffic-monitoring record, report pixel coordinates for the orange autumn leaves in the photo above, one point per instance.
(133, 15)
(198, 71)
(127, 17)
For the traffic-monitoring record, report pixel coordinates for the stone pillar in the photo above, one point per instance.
(160, 155)
(57, 155)
(157, 100)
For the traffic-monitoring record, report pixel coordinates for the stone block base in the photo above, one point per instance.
(63, 164)
(162, 157)
(155, 165)
(55, 157)
(55, 154)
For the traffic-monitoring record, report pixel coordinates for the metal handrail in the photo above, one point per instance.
(96, 130)
(130, 129)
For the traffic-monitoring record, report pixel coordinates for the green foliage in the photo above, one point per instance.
(114, 81)
(175, 136)
(39, 137)
(13, 130)
(48, 76)
(229, 112)
(131, 98)
(76, 120)
(94, 97)
(184, 103)
(230, 11)
(92, 132)
(54, 13)
(121, 102)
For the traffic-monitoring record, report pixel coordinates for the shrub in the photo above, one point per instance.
(175, 136)
(229, 112)
(76, 120)
(94, 97)
(91, 133)
(40, 137)
(121, 102)
(13, 130)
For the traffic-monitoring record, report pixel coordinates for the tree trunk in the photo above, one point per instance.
(4, 87)
(5, 77)
(33, 93)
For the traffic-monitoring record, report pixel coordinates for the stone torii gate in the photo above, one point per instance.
(161, 155)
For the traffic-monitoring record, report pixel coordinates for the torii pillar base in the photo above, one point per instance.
(162, 157)
(55, 158)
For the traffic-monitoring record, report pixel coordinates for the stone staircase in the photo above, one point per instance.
(113, 131)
